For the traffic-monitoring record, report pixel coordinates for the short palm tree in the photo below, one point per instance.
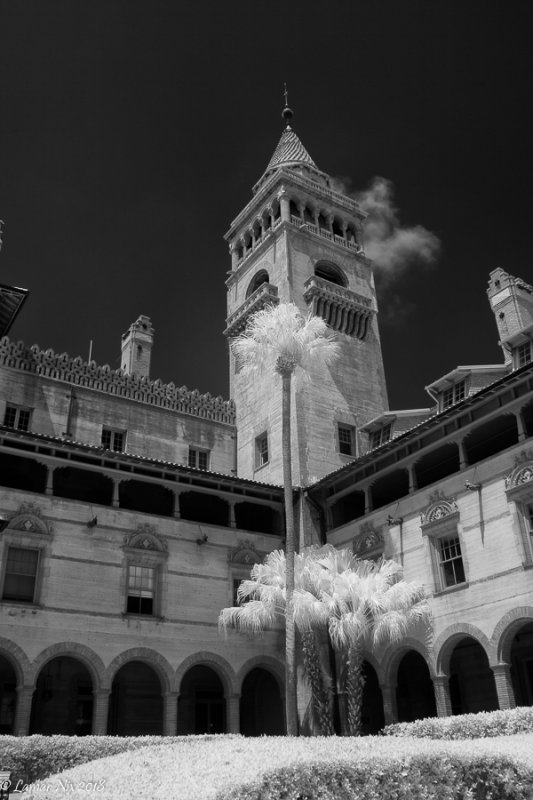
(281, 338)
(263, 599)
(368, 604)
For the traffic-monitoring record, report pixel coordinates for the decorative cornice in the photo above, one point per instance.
(145, 538)
(77, 372)
(368, 540)
(244, 554)
(439, 508)
(342, 309)
(28, 518)
(521, 474)
(265, 295)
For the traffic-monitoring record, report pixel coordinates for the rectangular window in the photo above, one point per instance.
(346, 440)
(451, 561)
(17, 417)
(453, 395)
(198, 458)
(21, 574)
(261, 450)
(141, 583)
(523, 354)
(382, 435)
(113, 440)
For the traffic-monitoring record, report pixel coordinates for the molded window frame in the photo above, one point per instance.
(381, 436)
(522, 496)
(522, 354)
(453, 394)
(199, 457)
(117, 439)
(17, 417)
(346, 438)
(437, 532)
(261, 450)
(26, 539)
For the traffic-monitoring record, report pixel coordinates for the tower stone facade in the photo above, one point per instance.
(300, 241)
(137, 348)
(511, 300)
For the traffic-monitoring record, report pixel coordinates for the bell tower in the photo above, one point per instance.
(299, 241)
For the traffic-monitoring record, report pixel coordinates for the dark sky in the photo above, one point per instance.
(132, 132)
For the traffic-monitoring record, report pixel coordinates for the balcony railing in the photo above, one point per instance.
(343, 310)
(264, 295)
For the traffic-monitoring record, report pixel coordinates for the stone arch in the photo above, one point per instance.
(375, 664)
(81, 652)
(267, 663)
(330, 272)
(394, 654)
(505, 630)
(260, 277)
(448, 639)
(223, 669)
(18, 660)
(149, 657)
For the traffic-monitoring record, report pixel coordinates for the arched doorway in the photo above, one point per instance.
(415, 697)
(8, 696)
(372, 718)
(472, 686)
(522, 665)
(63, 698)
(201, 704)
(261, 707)
(136, 703)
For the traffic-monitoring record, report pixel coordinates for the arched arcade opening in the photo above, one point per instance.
(472, 686)
(136, 702)
(63, 698)
(415, 696)
(8, 696)
(201, 704)
(261, 706)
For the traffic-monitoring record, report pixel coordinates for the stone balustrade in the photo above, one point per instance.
(344, 311)
(265, 294)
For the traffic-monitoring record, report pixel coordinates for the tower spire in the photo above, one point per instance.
(287, 113)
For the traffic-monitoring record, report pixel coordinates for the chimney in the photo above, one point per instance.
(137, 348)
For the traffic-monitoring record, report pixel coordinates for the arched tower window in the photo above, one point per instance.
(258, 279)
(331, 273)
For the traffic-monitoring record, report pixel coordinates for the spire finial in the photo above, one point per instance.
(287, 114)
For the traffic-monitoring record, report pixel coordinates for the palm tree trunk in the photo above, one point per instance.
(319, 692)
(290, 637)
(355, 682)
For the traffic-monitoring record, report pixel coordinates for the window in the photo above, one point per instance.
(453, 395)
(141, 582)
(261, 450)
(21, 574)
(382, 435)
(523, 354)
(17, 417)
(451, 561)
(198, 458)
(113, 440)
(346, 440)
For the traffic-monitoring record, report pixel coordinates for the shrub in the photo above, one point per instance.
(420, 778)
(32, 758)
(467, 726)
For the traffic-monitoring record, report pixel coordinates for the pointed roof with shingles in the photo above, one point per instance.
(289, 151)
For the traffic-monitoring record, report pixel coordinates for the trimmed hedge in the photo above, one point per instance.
(297, 768)
(467, 726)
(420, 778)
(32, 758)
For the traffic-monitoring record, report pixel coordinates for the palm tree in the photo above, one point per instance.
(263, 599)
(280, 337)
(368, 604)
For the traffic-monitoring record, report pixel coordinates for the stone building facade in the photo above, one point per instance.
(131, 509)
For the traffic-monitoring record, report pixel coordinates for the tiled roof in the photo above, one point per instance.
(290, 150)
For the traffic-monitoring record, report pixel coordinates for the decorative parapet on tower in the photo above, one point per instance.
(264, 295)
(75, 371)
(343, 310)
